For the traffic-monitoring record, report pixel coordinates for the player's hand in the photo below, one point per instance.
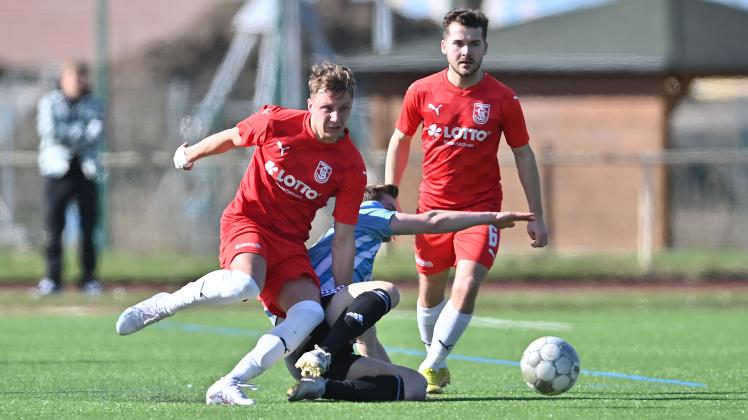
(180, 159)
(538, 233)
(506, 219)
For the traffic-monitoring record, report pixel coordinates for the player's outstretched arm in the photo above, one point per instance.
(343, 252)
(441, 221)
(527, 169)
(214, 144)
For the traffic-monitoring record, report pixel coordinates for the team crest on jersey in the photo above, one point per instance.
(322, 173)
(481, 112)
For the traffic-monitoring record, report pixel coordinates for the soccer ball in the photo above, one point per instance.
(550, 365)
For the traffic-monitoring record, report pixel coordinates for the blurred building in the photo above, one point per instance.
(44, 32)
(161, 58)
(600, 87)
(607, 93)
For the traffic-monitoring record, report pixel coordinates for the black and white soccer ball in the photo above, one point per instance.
(550, 365)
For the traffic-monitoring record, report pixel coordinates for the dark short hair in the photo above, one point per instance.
(470, 18)
(374, 192)
(78, 66)
(331, 77)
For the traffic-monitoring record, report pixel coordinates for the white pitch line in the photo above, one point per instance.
(519, 325)
(495, 323)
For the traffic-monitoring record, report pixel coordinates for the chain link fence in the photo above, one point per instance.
(153, 208)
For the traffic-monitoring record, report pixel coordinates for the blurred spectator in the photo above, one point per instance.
(70, 123)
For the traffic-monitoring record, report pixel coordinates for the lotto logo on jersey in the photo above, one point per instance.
(434, 131)
(289, 183)
(457, 133)
(481, 112)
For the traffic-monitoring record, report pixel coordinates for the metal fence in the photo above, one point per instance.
(148, 206)
(151, 207)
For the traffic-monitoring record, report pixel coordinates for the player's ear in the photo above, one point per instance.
(444, 46)
(309, 103)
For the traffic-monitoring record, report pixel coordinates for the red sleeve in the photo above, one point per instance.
(513, 124)
(348, 199)
(255, 129)
(410, 114)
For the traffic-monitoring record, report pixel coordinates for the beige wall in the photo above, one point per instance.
(43, 32)
(593, 206)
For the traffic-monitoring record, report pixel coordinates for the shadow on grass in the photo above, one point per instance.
(107, 395)
(661, 396)
(672, 393)
(68, 392)
(167, 399)
(56, 362)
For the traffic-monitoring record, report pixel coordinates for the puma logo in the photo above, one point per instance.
(436, 108)
(282, 149)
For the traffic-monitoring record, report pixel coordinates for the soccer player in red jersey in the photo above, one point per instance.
(301, 159)
(463, 111)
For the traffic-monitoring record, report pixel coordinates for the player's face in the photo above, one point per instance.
(388, 202)
(330, 112)
(464, 48)
(72, 83)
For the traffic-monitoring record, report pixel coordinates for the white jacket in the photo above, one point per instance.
(67, 130)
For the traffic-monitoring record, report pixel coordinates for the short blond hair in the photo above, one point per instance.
(331, 77)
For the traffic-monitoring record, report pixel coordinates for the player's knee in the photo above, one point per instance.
(241, 285)
(391, 290)
(415, 386)
(468, 282)
(394, 294)
(308, 310)
(465, 290)
(367, 308)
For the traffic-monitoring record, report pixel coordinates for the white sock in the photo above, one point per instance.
(220, 286)
(279, 342)
(426, 318)
(448, 329)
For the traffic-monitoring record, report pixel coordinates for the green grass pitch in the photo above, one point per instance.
(655, 353)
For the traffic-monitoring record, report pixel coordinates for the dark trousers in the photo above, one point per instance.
(59, 193)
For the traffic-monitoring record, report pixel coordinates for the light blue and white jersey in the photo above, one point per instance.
(372, 228)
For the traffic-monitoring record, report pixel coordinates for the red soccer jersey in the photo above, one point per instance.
(461, 133)
(292, 174)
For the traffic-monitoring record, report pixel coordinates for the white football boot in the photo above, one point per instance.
(229, 391)
(314, 363)
(141, 315)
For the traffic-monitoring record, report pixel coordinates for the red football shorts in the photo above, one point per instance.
(438, 252)
(286, 260)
